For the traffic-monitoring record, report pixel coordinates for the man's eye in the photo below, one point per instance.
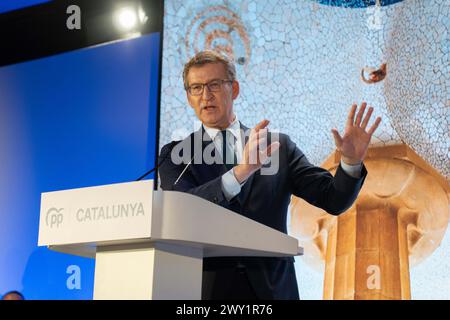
(214, 85)
(196, 87)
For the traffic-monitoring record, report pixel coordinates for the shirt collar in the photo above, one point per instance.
(234, 128)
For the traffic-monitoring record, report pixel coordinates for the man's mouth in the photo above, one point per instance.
(208, 108)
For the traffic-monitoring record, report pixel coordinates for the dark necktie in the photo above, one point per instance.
(228, 154)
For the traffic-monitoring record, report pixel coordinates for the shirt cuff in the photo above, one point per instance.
(352, 170)
(230, 186)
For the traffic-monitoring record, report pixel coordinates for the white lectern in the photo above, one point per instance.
(150, 244)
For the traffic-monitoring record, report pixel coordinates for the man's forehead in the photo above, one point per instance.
(206, 72)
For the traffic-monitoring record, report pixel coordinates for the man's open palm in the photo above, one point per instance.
(355, 142)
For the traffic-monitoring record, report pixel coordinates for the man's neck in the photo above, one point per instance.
(220, 128)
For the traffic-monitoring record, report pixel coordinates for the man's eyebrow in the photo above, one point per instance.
(215, 79)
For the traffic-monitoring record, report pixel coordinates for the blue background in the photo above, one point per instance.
(10, 5)
(83, 118)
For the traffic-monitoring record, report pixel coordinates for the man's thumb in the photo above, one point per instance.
(337, 138)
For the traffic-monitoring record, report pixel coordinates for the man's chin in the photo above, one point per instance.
(211, 122)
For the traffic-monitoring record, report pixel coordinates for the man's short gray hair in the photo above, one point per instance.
(208, 56)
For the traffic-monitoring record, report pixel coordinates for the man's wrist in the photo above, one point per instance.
(242, 172)
(351, 162)
(230, 186)
(352, 170)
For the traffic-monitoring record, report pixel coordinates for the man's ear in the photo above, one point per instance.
(234, 89)
(188, 97)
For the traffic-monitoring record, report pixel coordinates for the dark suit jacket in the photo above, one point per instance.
(263, 198)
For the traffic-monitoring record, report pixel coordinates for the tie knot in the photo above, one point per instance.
(224, 132)
(227, 136)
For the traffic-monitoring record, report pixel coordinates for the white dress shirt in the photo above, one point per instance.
(230, 186)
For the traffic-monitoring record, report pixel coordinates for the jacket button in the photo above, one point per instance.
(215, 199)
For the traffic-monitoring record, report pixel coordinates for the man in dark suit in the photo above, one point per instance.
(254, 173)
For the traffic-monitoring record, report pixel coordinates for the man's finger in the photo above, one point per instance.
(274, 146)
(262, 133)
(360, 114)
(253, 134)
(351, 115)
(262, 125)
(374, 126)
(266, 153)
(252, 147)
(367, 118)
(262, 143)
(337, 138)
(262, 136)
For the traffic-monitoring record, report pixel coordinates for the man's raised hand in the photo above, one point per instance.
(355, 142)
(256, 152)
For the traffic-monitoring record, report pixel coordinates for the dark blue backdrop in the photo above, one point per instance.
(77, 119)
(10, 5)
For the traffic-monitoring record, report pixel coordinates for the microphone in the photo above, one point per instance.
(150, 171)
(171, 146)
(182, 172)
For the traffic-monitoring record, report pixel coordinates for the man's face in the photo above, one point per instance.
(12, 296)
(214, 109)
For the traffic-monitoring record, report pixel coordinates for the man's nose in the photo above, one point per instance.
(207, 94)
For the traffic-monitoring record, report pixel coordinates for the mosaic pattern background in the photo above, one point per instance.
(299, 65)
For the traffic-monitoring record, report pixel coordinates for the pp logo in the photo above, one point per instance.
(54, 217)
